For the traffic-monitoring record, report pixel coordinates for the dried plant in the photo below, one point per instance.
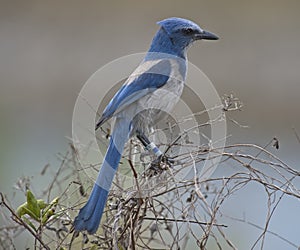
(151, 206)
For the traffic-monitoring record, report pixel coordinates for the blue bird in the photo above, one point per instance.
(149, 93)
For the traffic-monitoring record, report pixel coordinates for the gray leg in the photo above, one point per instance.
(150, 146)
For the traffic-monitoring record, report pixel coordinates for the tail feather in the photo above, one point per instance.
(89, 216)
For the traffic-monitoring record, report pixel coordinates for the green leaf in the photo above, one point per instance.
(49, 210)
(28, 222)
(32, 205)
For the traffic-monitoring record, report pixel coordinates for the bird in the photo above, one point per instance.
(146, 97)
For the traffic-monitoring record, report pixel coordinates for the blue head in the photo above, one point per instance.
(176, 35)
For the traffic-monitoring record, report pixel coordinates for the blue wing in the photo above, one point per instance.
(140, 86)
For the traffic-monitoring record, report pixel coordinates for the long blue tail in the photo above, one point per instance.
(89, 216)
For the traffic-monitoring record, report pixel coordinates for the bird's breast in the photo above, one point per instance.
(157, 104)
(165, 98)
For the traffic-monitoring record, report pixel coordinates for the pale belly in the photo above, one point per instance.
(147, 111)
(152, 108)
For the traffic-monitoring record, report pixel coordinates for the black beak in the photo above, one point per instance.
(205, 35)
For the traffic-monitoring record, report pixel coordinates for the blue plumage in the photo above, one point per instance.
(149, 93)
(141, 85)
(90, 215)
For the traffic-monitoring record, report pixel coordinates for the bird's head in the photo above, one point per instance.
(183, 32)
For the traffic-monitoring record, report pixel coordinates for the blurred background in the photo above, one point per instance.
(48, 49)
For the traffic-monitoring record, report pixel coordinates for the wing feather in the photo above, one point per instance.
(137, 85)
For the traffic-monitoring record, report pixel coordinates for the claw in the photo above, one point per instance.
(159, 165)
(165, 159)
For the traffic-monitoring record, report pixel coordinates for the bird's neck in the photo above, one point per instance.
(162, 43)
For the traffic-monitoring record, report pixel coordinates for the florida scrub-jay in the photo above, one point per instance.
(149, 93)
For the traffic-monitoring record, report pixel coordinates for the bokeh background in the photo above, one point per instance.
(48, 49)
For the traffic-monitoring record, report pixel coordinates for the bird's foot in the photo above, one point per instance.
(166, 160)
(159, 165)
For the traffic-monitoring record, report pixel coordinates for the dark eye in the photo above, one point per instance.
(188, 31)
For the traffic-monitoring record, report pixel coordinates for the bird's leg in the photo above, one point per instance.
(150, 146)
